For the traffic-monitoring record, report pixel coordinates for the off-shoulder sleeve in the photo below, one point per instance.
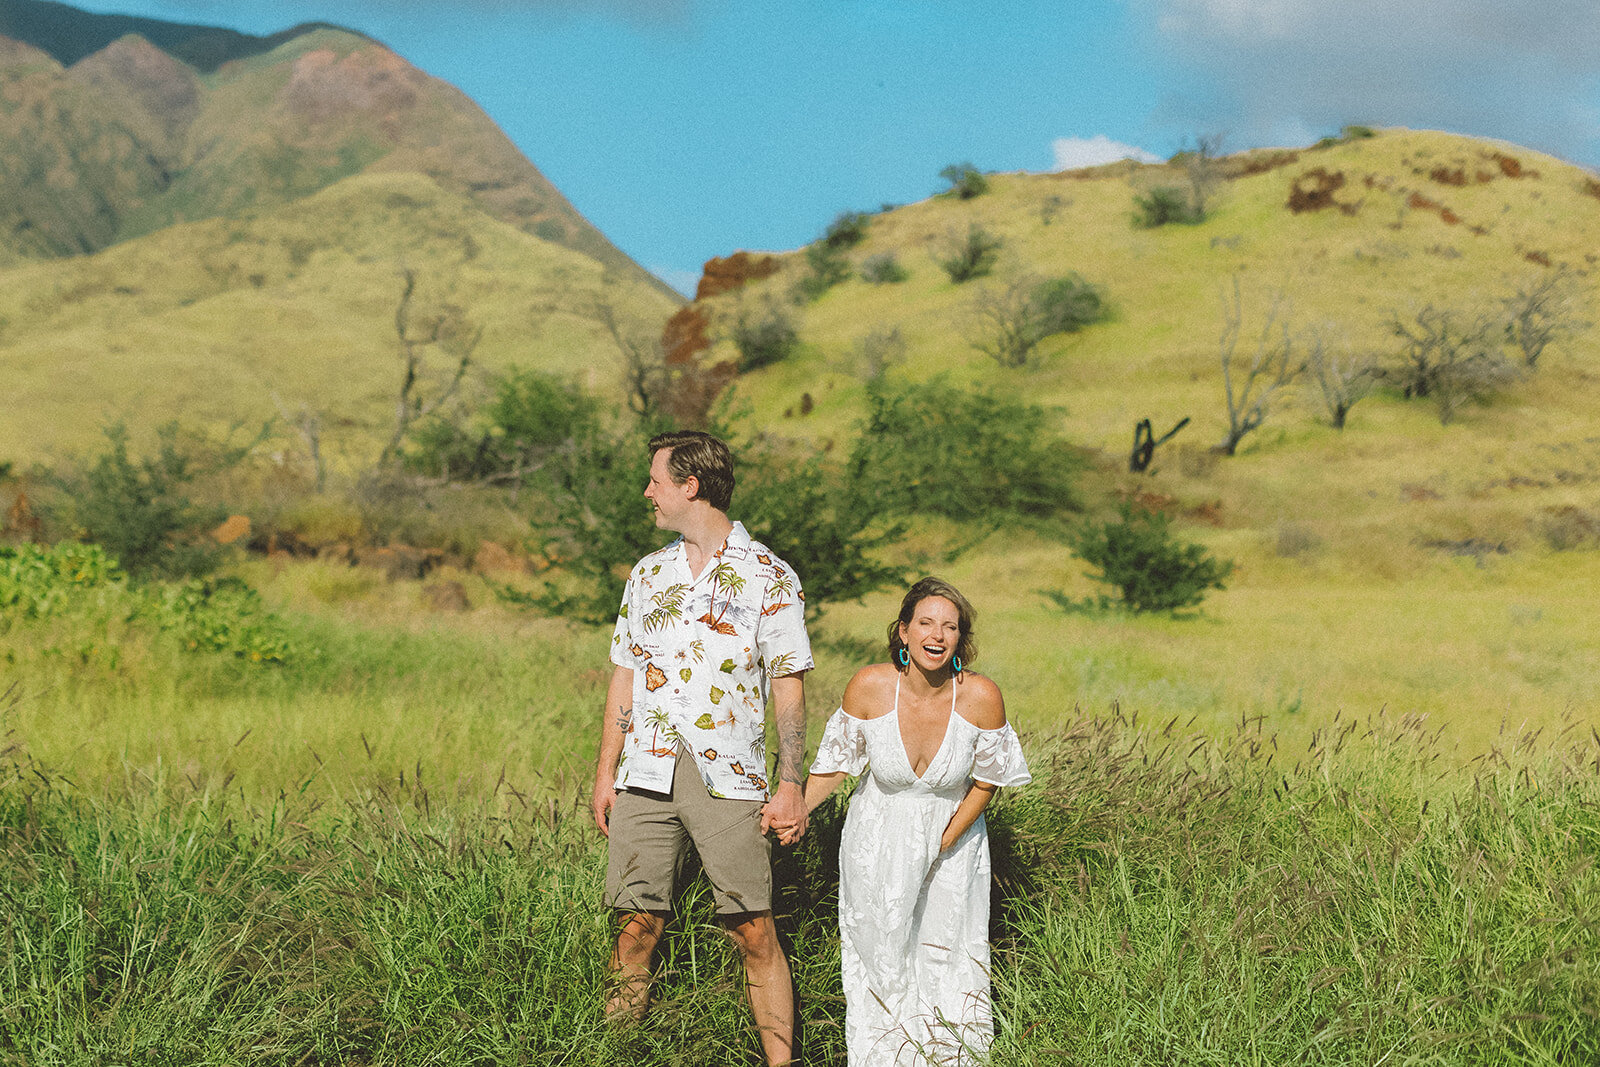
(843, 746)
(998, 758)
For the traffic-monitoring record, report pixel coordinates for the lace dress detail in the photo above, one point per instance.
(914, 923)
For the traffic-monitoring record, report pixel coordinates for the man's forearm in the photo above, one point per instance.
(617, 718)
(789, 713)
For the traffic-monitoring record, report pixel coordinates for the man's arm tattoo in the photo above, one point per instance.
(624, 717)
(791, 748)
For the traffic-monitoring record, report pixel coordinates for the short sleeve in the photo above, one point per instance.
(843, 746)
(998, 758)
(622, 642)
(781, 627)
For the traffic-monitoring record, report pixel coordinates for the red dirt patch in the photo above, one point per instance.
(1446, 176)
(684, 336)
(725, 274)
(1541, 258)
(1260, 163)
(1510, 166)
(1314, 190)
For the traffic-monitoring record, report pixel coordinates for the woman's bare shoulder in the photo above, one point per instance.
(871, 692)
(980, 703)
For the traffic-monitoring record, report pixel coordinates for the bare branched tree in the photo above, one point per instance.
(1250, 388)
(1005, 324)
(1449, 355)
(662, 378)
(1344, 375)
(879, 349)
(308, 424)
(447, 328)
(1542, 310)
(1202, 169)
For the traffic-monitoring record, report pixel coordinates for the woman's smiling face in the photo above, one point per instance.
(933, 632)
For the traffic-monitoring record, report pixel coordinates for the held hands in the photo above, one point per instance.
(785, 814)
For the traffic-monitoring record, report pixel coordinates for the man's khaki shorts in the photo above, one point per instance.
(650, 838)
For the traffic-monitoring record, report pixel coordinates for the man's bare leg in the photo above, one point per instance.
(768, 983)
(630, 964)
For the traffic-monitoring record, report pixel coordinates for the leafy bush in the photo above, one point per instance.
(969, 257)
(224, 616)
(1067, 305)
(1139, 557)
(595, 525)
(1162, 205)
(965, 453)
(137, 509)
(601, 524)
(763, 337)
(1010, 322)
(847, 230)
(530, 415)
(883, 269)
(37, 581)
(828, 266)
(820, 524)
(966, 181)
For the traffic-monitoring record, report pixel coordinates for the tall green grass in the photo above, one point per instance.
(1161, 897)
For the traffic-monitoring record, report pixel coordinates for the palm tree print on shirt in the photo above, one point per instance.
(668, 607)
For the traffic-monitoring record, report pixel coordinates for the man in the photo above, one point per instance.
(707, 626)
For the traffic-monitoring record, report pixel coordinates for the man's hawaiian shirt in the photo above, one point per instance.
(702, 651)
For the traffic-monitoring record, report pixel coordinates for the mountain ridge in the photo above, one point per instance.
(114, 127)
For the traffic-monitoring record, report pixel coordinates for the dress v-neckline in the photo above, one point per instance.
(905, 753)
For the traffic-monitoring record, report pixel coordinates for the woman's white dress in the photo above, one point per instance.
(914, 923)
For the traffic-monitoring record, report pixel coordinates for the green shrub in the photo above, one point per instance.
(600, 525)
(37, 581)
(821, 525)
(529, 415)
(883, 269)
(1162, 205)
(966, 181)
(593, 524)
(829, 268)
(847, 230)
(972, 256)
(1139, 557)
(965, 453)
(1067, 305)
(763, 337)
(137, 508)
(225, 616)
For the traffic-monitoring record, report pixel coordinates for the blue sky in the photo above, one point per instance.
(687, 129)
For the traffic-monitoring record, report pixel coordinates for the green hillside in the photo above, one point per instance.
(1398, 562)
(239, 319)
(140, 134)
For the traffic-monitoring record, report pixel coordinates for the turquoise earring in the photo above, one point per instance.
(955, 664)
(902, 656)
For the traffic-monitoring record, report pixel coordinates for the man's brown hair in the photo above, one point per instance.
(696, 454)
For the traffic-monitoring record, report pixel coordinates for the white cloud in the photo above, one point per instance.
(1074, 152)
(1527, 71)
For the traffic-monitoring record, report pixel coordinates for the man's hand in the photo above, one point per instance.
(605, 795)
(785, 813)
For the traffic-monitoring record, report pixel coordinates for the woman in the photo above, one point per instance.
(930, 740)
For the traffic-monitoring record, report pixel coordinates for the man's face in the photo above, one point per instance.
(671, 501)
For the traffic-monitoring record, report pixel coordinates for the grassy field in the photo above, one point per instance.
(1346, 812)
(378, 851)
